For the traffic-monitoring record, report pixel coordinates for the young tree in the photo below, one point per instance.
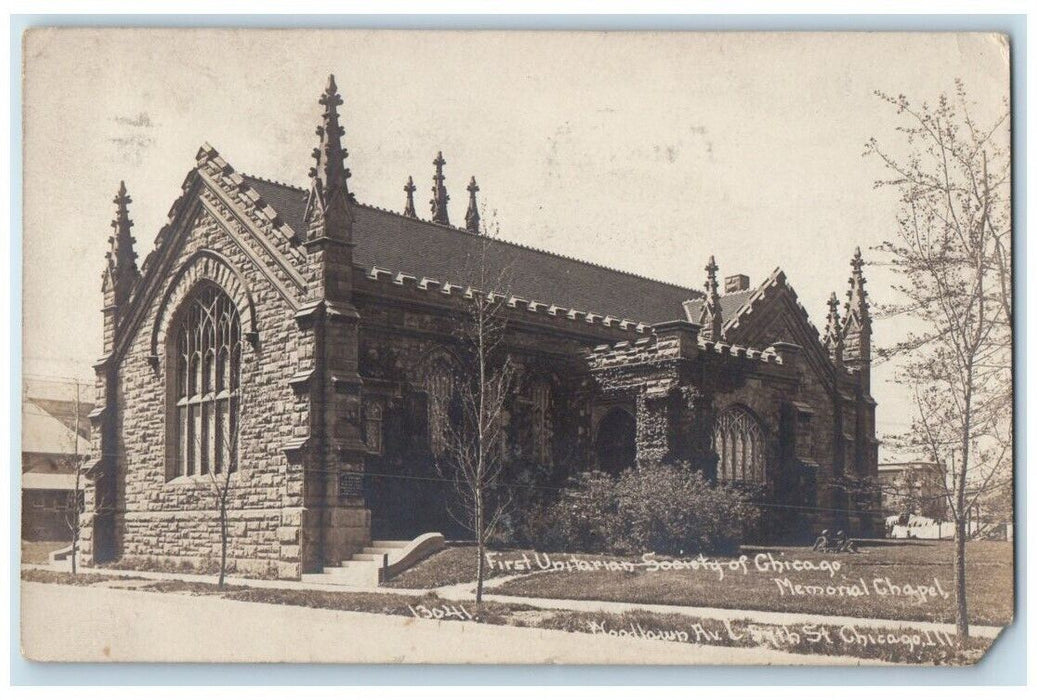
(220, 483)
(475, 440)
(953, 252)
(76, 498)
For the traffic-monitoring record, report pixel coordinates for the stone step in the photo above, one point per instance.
(378, 550)
(367, 557)
(383, 558)
(351, 573)
(391, 544)
(351, 563)
(349, 567)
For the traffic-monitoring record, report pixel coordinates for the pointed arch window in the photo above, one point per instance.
(207, 376)
(541, 396)
(440, 388)
(738, 441)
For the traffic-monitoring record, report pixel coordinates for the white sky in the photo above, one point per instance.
(645, 152)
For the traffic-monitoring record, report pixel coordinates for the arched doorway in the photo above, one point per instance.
(616, 444)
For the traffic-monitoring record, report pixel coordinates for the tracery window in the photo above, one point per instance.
(207, 374)
(738, 441)
(541, 396)
(440, 388)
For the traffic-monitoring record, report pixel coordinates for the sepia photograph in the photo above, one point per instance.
(516, 347)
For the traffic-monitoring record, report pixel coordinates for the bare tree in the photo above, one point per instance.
(220, 482)
(953, 252)
(76, 463)
(475, 440)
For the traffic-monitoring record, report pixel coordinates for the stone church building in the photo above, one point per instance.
(299, 346)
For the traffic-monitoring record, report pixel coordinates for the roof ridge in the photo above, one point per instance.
(542, 251)
(504, 241)
(273, 182)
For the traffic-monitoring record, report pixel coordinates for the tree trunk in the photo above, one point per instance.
(480, 536)
(223, 542)
(962, 613)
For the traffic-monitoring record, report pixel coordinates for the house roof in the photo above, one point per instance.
(58, 398)
(51, 389)
(41, 481)
(397, 243)
(42, 433)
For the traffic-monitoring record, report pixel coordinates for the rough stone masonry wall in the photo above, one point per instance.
(768, 398)
(176, 519)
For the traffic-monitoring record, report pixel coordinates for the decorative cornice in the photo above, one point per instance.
(448, 289)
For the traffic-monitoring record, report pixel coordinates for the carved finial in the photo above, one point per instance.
(857, 323)
(711, 319)
(857, 297)
(711, 275)
(471, 217)
(833, 339)
(439, 195)
(329, 194)
(122, 259)
(409, 188)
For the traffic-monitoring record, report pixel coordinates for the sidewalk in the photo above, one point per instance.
(464, 592)
(98, 624)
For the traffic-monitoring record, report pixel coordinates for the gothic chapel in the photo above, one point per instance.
(298, 344)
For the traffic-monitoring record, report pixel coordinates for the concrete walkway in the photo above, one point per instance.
(465, 592)
(96, 623)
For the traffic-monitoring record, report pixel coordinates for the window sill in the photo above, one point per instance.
(201, 479)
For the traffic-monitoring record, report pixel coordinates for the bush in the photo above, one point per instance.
(653, 508)
(674, 510)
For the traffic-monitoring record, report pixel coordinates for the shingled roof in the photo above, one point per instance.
(401, 244)
(729, 305)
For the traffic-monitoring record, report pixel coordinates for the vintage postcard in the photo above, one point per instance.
(516, 347)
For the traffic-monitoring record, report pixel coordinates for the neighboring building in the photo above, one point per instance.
(915, 488)
(325, 328)
(49, 448)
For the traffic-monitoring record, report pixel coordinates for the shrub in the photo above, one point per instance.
(653, 508)
(674, 510)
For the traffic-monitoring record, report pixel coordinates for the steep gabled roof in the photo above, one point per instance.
(730, 305)
(401, 244)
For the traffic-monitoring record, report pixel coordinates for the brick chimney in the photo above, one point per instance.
(736, 283)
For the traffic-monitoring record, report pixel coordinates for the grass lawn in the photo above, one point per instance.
(39, 552)
(990, 583)
(67, 579)
(445, 567)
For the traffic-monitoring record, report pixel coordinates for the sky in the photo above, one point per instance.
(646, 152)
